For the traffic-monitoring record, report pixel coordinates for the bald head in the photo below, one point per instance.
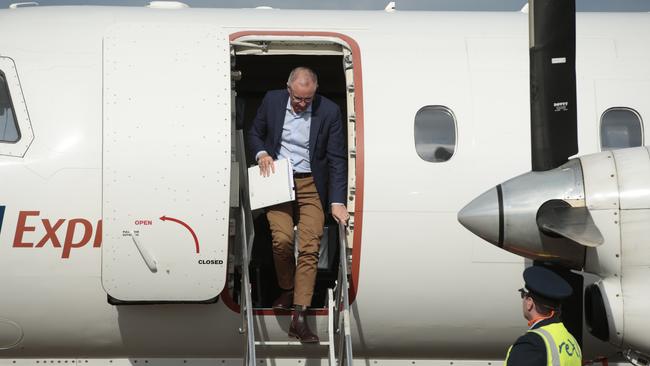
(304, 77)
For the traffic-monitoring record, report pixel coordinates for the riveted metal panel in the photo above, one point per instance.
(635, 290)
(611, 290)
(166, 161)
(606, 261)
(635, 238)
(633, 166)
(601, 181)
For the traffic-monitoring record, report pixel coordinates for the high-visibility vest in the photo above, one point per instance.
(561, 348)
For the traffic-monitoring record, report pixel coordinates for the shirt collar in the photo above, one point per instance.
(543, 320)
(532, 326)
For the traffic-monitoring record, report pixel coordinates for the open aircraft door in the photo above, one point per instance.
(166, 162)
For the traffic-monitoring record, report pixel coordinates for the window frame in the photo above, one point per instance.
(5, 84)
(25, 132)
(455, 121)
(600, 126)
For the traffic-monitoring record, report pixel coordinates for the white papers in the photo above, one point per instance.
(271, 190)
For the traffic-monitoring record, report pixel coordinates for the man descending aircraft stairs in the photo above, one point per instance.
(338, 309)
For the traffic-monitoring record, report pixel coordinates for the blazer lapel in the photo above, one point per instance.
(278, 122)
(313, 132)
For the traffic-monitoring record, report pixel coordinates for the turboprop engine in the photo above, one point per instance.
(538, 215)
(591, 214)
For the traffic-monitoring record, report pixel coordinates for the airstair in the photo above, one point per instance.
(339, 341)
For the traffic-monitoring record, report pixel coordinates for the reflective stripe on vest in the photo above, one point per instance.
(561, 348)
(554, 355)
(505, 363)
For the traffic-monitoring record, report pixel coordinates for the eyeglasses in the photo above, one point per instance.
(523, 293)
(300, 99)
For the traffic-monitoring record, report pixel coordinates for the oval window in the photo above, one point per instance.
(435, 133)
(620, 128)
(8, 126)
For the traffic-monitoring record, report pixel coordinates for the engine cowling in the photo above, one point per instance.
(593, 214)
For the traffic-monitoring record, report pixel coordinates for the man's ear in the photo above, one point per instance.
(530, 304)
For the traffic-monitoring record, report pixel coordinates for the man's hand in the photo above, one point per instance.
(267, 165)
(340, 213)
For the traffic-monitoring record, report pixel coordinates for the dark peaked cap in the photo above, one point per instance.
(546, 285)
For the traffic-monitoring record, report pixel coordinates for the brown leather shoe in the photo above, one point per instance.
(300, 329)
(284, 301)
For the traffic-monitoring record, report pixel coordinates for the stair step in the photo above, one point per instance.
(290, 343)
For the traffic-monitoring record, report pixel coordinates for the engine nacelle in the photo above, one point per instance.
(508, 214)
(617, 188)
(592, 213)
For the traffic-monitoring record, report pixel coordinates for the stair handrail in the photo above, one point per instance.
(247, 235)
(343, 302)
(246, 301)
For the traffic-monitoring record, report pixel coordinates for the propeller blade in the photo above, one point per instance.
(574, 223)
(554, 128)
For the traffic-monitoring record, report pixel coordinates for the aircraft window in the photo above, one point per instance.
(620, 128)
(8, 126)
(435, 133)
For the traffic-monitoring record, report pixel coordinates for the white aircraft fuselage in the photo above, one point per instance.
(424, 287)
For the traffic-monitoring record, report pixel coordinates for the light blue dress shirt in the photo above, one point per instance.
(295, 139)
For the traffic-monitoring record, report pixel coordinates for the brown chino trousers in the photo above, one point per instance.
(307, 211)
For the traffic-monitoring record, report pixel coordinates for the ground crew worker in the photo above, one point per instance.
(547, 342)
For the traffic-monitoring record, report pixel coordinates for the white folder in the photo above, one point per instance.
(271, 190)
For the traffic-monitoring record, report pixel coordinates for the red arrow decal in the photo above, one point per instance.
(196, 239)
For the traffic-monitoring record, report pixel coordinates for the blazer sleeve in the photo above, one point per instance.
(259, 128)
(337, 160)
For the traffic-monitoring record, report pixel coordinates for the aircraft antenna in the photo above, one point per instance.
(23, 5)
(167, 5)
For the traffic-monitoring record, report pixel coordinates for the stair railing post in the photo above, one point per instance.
(246, 290)
(344, 332)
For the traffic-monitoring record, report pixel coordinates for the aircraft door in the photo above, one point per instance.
(166, 162)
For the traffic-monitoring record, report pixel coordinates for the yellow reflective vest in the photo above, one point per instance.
(561, 348)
